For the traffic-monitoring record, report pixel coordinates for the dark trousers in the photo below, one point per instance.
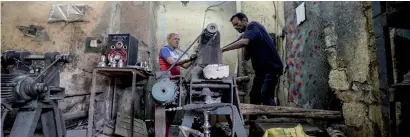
(263, 90)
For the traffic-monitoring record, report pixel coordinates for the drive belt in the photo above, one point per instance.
(160, 121)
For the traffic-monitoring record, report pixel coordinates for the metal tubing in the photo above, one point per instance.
(79, 94)
(35, 57)
(180, 92)
(210, 86)
(108, 111)
(114, 99)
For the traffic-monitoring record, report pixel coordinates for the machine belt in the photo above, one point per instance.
(160, 121)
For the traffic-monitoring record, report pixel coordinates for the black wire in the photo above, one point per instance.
(203, 23)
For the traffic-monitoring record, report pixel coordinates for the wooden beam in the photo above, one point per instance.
(251, 109)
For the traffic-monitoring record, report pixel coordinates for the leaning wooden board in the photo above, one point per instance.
(280, 111)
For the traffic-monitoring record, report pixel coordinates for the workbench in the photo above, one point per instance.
(136, 74)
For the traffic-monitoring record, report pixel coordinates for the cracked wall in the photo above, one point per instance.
(104, 18)
(271, 15)
(337, 41)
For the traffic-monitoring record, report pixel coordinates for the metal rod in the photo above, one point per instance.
(132, 104)
(110, 100)
(79, 94)
(114, 109)
(209, 86)
(180, 92)
(34, 57)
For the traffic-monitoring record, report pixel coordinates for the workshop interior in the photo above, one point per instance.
(194, 68)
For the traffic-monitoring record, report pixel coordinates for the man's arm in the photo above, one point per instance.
(170, 60)
(186, 65)
(239, 44)
(251, 33)
(166, 54)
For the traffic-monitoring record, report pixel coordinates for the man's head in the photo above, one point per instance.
(173, 39)
(239, 22)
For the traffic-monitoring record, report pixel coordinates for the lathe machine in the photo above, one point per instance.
(34, 93)
(207, 89)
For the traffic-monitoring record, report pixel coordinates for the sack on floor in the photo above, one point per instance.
(286, 132)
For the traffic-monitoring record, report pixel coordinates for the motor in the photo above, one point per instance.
(33, 93)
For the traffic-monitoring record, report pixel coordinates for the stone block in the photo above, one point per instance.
(356, 96)
(369, 129)
(330, 36)
(332, 57)
(338, 80)
(375, 115)
(355, 87)
(348, 96)
(354, 114)
(358, 66)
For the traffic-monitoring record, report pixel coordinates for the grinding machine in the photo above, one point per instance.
(32, 92)
(206, 89)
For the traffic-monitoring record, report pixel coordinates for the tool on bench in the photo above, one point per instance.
(214, 94)
(33, 93)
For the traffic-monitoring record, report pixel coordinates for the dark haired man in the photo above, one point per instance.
(261, 49)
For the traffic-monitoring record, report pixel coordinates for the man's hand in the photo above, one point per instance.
(236, 45)
(224, 50)
(193, 57)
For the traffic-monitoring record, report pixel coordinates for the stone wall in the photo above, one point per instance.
(334, 49)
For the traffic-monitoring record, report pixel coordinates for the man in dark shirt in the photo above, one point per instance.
(261, 49)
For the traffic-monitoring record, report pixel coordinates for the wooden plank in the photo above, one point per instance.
(251, 109)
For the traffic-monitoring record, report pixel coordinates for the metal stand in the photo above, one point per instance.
(29, 116)
(137, 75)
(239, 129)
(228, 105)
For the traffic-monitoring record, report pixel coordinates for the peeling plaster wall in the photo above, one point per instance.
(104, 18)
(334, 49)
(76, 76)
(271, 15)
(187, 21)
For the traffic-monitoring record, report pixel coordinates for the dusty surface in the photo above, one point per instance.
(103, 18)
